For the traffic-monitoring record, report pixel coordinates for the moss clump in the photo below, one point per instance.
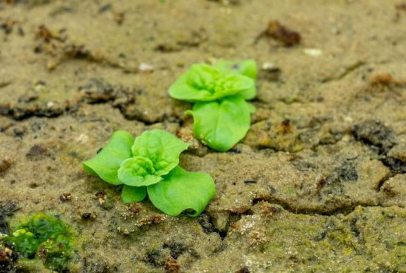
(44, 237)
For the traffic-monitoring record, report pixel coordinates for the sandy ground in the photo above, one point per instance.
(317, 185)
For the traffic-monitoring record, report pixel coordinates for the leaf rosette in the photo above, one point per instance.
(222, 116)
(148, 163)
(203, 82)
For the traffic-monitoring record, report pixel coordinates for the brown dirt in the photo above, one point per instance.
(317, 185)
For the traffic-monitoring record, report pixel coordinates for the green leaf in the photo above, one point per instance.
(107, 162)
(246, 68)
(205, 83)
(138, 171)
(234, 85)
(133, 194)
(251, 108)
(161, 147)
(221, 124)
(181, 190)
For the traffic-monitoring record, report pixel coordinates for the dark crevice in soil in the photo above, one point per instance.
(374, 133)
(20, 113)
(382, 182)
(380, 139)
(347, 70)
(396, 166)
(207, 223)
(345, 210)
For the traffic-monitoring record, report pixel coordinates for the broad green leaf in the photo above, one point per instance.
(246, 68)
(181, 190)
(205, 83)
(251, 108)
(203, 76)
(234, 85)
(107, 162)
(249, 93)
(161, 147)
(221, 124)
(138, 171)
(133, 194)
(195, 84)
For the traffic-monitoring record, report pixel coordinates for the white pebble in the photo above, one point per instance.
(314, 52)
(145, 67)
(268, 66)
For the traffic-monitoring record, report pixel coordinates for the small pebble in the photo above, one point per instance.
(268, 66)
(65, 197)
(145, 68)
(5, 255)
(82, 138)
(123, 231)
(314, 52)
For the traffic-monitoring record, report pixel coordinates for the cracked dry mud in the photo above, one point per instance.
(317, 185)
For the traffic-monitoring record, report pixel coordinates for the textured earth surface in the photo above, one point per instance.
(317, 185)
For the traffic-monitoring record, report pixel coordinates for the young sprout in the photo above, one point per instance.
(221, 114)
(150, 165)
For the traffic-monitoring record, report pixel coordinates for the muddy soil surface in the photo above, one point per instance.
(317, 185)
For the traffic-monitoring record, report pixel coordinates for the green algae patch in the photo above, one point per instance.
(43, 238)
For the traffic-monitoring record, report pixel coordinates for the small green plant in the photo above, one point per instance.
(221, 114)
(150, 165)
(45, 238)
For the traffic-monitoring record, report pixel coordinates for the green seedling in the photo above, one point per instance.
(45, 238)
(222, 116)
(150, 165)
